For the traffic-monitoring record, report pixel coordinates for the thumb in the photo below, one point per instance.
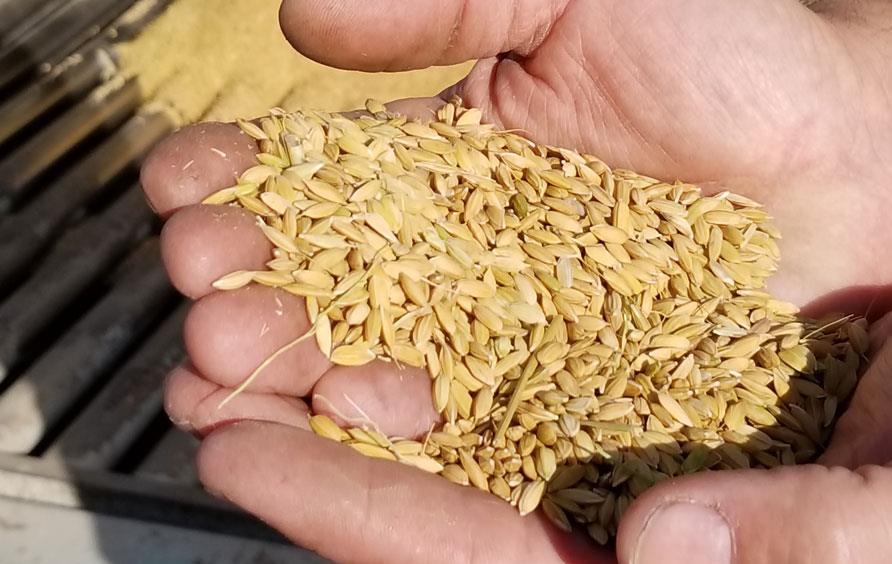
(790, 514)
(396, 35)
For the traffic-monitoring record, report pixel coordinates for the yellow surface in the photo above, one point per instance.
(222, 59)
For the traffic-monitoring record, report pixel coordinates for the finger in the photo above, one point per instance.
(872, 302)
(347, 507)
(791, 514)
(394, 401)
(229, 334)
(424, 109)
(863, 434)
(200, 244)
(193, 163)
(193, 404)
(400, 35)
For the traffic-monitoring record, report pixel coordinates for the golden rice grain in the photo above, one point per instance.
(588, 332)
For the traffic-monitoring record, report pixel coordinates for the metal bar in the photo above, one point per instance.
(26, 234)
(77, 73)
(172, 459)
(17, 17)
(35, 533)
(132, 22)
(117, 416)
(51, 482)
(61, 32)
(67, 81)
(74, 263)
(37, 401)
(104, 108)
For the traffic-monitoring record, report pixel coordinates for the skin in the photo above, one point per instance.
(790, 107)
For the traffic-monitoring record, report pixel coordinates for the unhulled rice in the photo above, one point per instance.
(588, 332)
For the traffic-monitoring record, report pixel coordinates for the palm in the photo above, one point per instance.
(700, 90)
(716, 93)
(729, 95)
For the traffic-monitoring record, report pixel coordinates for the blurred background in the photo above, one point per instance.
(91, 470)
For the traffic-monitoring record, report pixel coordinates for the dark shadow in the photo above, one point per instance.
(796, 428)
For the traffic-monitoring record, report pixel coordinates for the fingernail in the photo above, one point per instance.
(686, 533)
(182, 424)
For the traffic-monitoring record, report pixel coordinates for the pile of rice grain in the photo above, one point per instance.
(588, 332)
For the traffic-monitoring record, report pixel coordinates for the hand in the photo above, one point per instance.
(759, 96)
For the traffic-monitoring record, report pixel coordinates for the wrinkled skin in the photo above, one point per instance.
(790, 107)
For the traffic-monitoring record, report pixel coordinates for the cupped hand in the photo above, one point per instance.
(763, 97)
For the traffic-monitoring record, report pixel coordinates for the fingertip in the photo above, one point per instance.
(679, 518)
(197, 405)
(635, 517)
(714, 514)
(230, 334)
(315, 27)
(175, 395)
(193, 163)
(424, 109)
(200, 244)
(668, 536)
(395, 401)
(392, 36)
